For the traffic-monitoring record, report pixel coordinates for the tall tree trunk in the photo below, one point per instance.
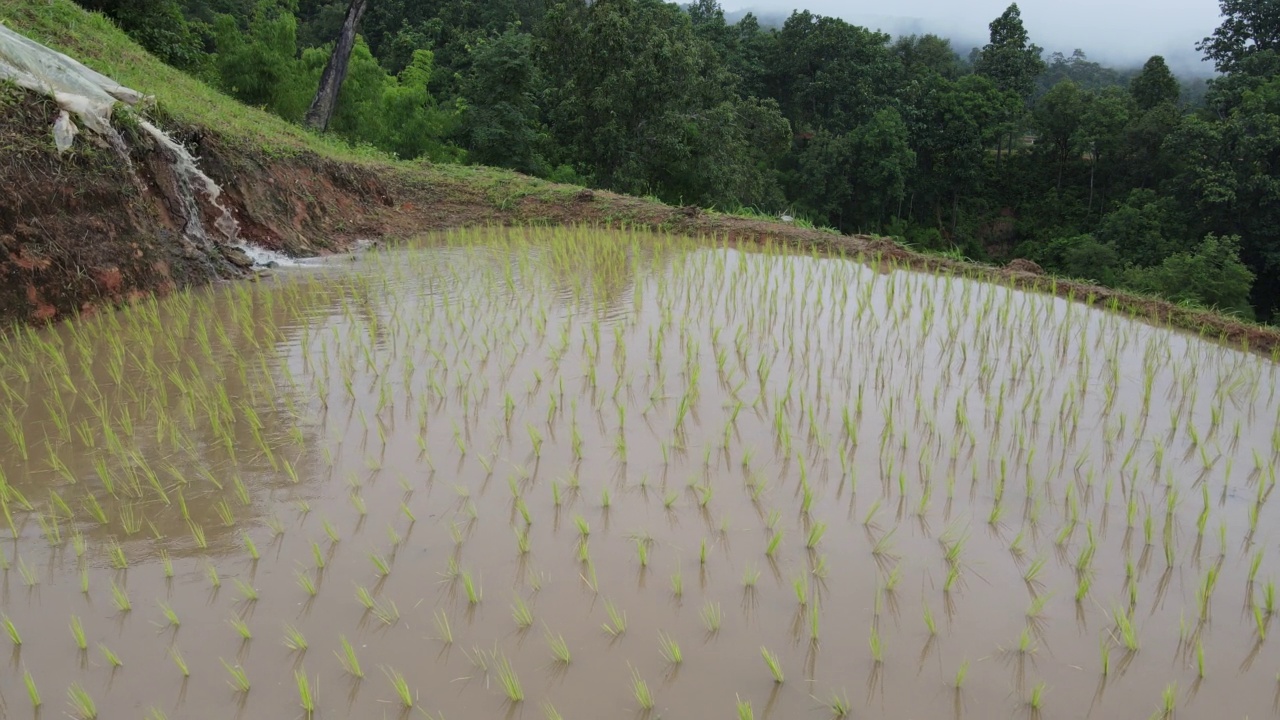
(1093, 166)
(326, 99)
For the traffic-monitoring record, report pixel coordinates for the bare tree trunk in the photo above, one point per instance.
(326, 99)
(1093, 166)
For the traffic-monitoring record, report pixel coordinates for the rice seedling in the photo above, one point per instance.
(120, 598)
(640, 689)
(82, 704)
(401, 687)
(521, 613)
(110, 657)
(771, 661)
(1169, 701)
(670, 649)
(816, 531)
(1036, 608)
(239, 679)
(559, 648)
(1036, 700)
(712, 617)
(118, 560)
(839, 705)
(29, 577)
(306, 696)
(385, 611)
(33, 693)
(171, 617)
(330, 531)
(1124, 626)
(241, 628)
(179, 661)
(443, 627)
(248, 592)
(305, 582)
(472, 589)
(293, 639)
(774, 541)
(744, 710)
(877, 645)
(1034, 569)
(507, 677)
(350, 663)
(617, 624)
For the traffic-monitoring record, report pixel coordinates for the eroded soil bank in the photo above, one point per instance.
(91, 228)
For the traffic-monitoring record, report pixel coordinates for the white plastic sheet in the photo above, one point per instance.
(64, 131)
(79, 91)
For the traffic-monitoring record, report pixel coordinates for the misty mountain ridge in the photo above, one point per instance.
(1184, 62)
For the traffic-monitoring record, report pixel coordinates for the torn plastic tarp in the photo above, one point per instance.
(64, 131)
(85, 93)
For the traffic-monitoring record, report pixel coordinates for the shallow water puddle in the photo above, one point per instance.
(571, 473)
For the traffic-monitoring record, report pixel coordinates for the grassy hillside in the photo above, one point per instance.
(95, 41)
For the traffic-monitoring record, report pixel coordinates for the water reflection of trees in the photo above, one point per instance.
(220, 343)
(242, 347)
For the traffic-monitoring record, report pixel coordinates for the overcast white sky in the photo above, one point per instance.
(1115, 31)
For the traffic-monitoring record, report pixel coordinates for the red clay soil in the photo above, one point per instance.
(89, 229)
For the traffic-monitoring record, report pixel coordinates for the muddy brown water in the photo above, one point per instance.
(951, 440)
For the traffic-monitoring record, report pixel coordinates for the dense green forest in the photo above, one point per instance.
(1118, 176)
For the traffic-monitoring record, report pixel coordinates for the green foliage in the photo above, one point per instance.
(1154, 85)
(928, 54)
(159, 26)
(1010, 60)
(1142, 229)
(1212, 276)
(1093, 172)
(396, 114)
(1079, 69)
(1058, 116)
(637, 100)
(501, 123)
(1248, 27)
(261, 68)
(855, 180)
(829, 74)
(1082, 257)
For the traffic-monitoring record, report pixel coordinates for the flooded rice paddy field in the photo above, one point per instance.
(569, 473)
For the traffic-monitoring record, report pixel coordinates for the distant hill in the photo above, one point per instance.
(1184, 63)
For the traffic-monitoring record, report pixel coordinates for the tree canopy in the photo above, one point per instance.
(1125, 176)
